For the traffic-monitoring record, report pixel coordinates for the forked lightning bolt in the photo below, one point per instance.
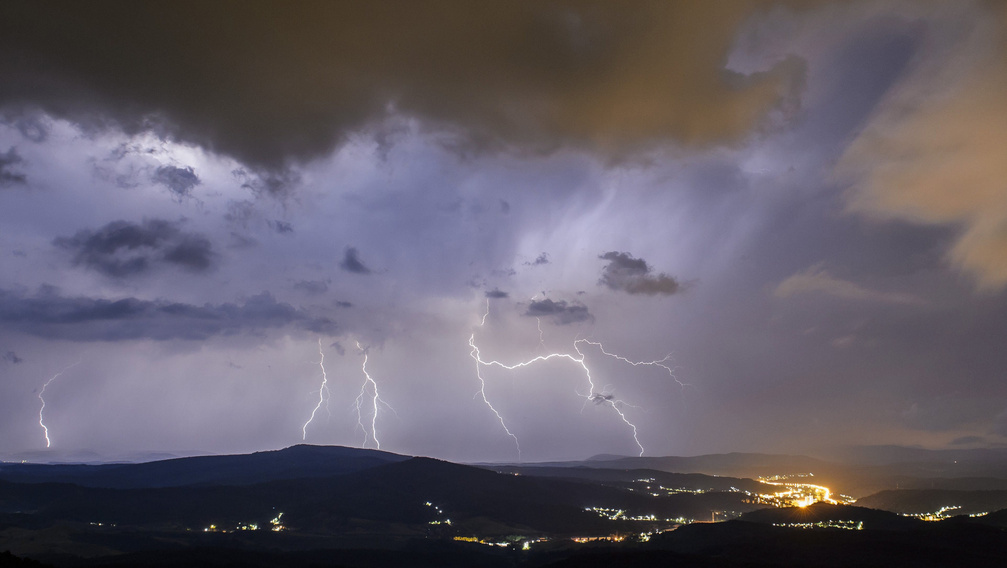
(659, 363)
(579, 359)
(375, 402)
(323, 392)
(41, 397)
(482, 391)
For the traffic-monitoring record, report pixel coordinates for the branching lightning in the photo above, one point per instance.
(323, 391)
(659, 363)
(579, 359)
(482, 391)
(600, 398)
(41, 397)
(375, 402)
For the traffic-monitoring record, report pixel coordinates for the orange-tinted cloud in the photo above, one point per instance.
(275, 82)
(937, 151)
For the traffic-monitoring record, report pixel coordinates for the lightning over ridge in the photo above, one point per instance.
(593, 395)
(41, 397)
(375, 401)
(323, 391)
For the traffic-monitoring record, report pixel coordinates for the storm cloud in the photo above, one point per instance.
(246, 172)
(934, 151)
(179, 181)
(351, 262)
(633, 276)
(121, 249)
(559, 312)
(9, 161)
(50, 315)
(524, 74)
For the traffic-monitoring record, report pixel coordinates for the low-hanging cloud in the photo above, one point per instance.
(634, 276)
(121, 249)
(351, 262)
(9, 161)
(180, 181)
(560, 312)
(270, 83)
(281, 227)
(50, 315)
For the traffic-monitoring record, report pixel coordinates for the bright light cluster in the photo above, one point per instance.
(940, 514)
(830, 524)
(795, 494)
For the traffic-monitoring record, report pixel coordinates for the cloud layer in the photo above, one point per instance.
(51, 315)
(634, 276)
(269, 85)
(121, 249)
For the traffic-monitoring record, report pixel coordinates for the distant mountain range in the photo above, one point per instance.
(308, 505)
(301, 461)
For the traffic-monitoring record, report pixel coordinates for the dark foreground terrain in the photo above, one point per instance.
(323, 506)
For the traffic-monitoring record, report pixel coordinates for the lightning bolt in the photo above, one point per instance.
(41, 397)
(375, 402)
(579, 359)
(323, 391)
(482, 389)
(658, 363)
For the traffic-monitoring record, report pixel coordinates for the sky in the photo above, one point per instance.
(705, 227)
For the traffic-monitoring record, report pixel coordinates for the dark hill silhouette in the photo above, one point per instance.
(741, 543)
(295, 462)
(915, 501)
(390, 497)
(994, 519)
(374, 512)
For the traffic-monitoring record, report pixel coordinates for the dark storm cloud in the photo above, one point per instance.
(179, 180)
(272, 83)
(9, 161)
(121, 249)
(496, 293)
(264, 181)
(11, 357)
(560, 312)
(633, 276)
(351, 262)
(313, 287)
(540, 260)
(281, 227)
(50, 315)
(32, 125)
